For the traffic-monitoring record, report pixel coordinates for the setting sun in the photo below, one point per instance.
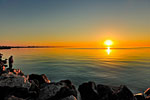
(108, 42)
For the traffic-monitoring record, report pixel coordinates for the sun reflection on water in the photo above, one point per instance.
(108, 50)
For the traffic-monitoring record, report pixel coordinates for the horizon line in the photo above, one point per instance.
(73, 47)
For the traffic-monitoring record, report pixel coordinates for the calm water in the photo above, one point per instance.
(112, 67)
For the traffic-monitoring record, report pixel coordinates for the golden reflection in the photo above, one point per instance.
(108, 50)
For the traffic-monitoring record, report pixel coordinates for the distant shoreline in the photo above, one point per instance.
(10, 47)
(68, 47)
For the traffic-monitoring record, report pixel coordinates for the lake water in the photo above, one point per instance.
(129, 67)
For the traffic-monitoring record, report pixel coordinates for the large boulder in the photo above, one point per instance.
(105, 92)
(41, 78)
(88, 91)
(123, 93)
(12, 84)
(12, 80)
(57, 91)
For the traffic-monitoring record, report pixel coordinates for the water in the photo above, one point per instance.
(104, 66)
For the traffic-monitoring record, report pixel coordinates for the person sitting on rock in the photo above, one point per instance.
(11, 62)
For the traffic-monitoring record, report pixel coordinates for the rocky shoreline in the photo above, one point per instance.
(14, 85)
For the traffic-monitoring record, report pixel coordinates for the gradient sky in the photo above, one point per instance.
(85, 23)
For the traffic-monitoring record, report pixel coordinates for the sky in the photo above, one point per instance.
(78, 23)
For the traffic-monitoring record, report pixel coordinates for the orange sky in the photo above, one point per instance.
(75, 23)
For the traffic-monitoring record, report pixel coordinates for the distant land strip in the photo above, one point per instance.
(67, 47)
(9, 47)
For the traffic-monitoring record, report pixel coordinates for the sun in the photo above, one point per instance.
(108, 42)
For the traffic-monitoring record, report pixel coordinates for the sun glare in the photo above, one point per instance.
(108, 42)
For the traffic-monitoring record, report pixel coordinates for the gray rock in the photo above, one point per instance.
(12, 80)
(49, 91)
(57, 91)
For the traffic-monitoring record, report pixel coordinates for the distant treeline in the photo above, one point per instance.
(9, 47)
(5, 47)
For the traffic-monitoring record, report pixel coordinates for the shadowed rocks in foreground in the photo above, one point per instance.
(91, 91)
(14, 85)
(34, 87)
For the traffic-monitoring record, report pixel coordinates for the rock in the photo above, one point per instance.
(56, 91)
(34, 89)
(70, 98)
(34, 85)
(41, 78)
(139, 96)
(16, 91)
(69, 85)
(123, 93)
(11, 84)
(88, 91)
(13, 98)
(12, 80)
(17, 72)
(66, 82)
(49, 91)
(63, 93)
(147, 92)
(105, 92)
